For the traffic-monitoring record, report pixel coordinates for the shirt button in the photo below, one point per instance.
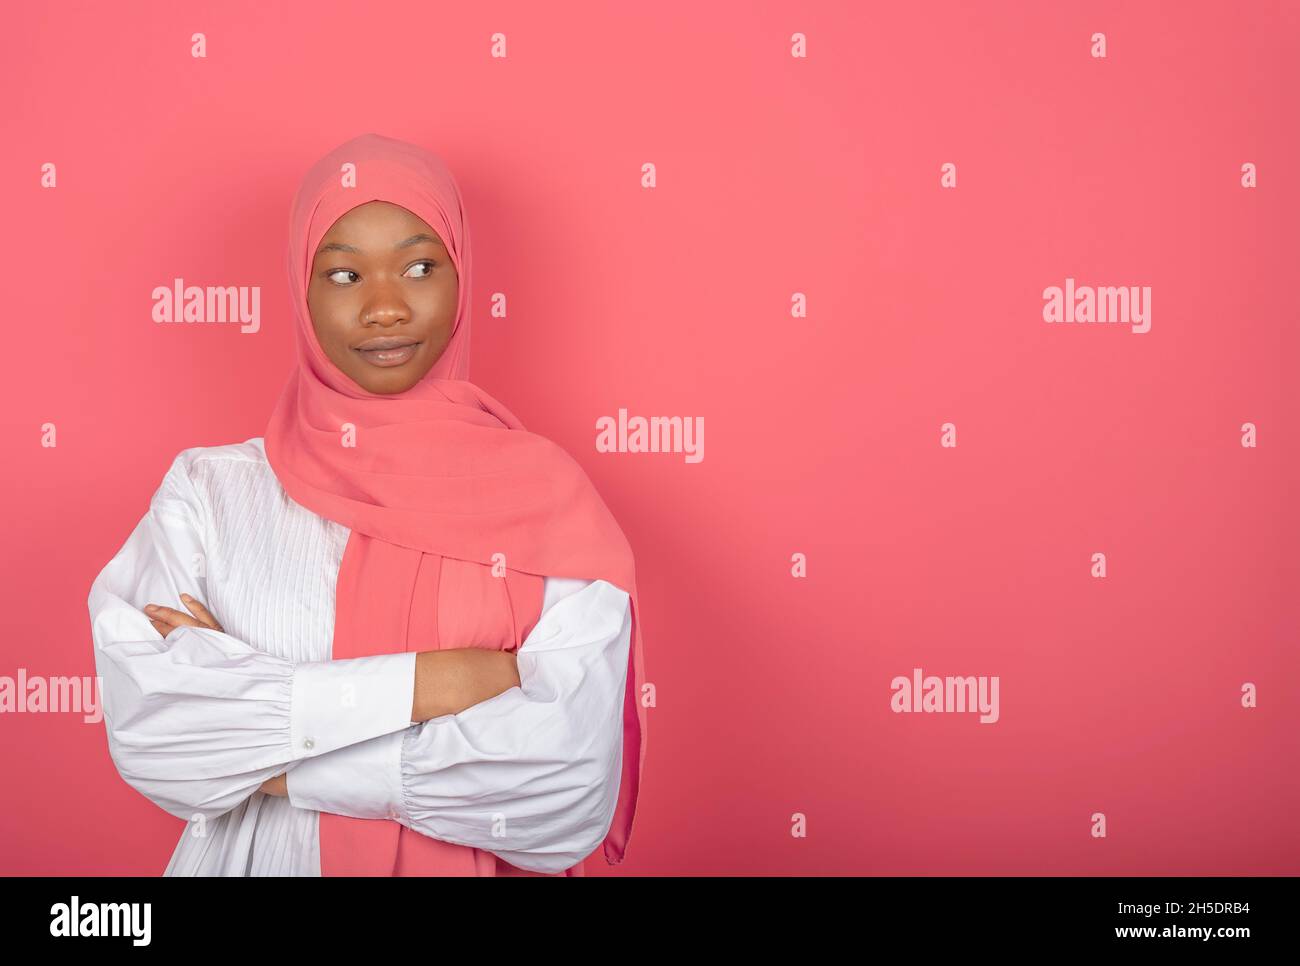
(308, 743)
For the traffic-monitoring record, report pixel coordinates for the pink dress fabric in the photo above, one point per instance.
(443, 487)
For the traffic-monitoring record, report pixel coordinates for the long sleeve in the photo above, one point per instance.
(530, 775)
(198, 720)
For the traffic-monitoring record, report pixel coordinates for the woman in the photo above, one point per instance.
(427, 659)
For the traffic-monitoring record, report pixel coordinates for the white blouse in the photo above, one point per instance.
(198, 720)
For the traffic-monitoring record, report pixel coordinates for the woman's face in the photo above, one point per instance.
(382, 296)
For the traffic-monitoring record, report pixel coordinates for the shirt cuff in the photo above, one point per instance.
(361, 781)
(340, 703)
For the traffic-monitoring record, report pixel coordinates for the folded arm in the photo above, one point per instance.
(530, 775)
(199, 720)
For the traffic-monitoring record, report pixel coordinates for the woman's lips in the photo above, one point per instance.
(386, 358)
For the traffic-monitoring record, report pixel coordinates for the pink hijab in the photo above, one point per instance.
(441, 482)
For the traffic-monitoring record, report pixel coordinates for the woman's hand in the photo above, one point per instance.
(165, 619)
(279, 785)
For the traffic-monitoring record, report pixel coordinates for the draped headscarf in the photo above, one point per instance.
(437, 483)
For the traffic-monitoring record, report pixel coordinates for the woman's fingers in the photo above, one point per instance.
(167, 619)
(201, 612)
(168, 615)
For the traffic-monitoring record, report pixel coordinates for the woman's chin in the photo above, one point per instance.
(387, 380)
(390, 382)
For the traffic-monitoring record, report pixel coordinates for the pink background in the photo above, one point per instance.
(775, 175)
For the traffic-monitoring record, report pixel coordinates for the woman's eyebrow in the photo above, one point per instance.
(413, 240)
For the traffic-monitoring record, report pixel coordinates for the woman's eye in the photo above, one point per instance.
(431, 265)
(340, 271)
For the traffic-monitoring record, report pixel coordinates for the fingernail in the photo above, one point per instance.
(186, 597)
(151, 608)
